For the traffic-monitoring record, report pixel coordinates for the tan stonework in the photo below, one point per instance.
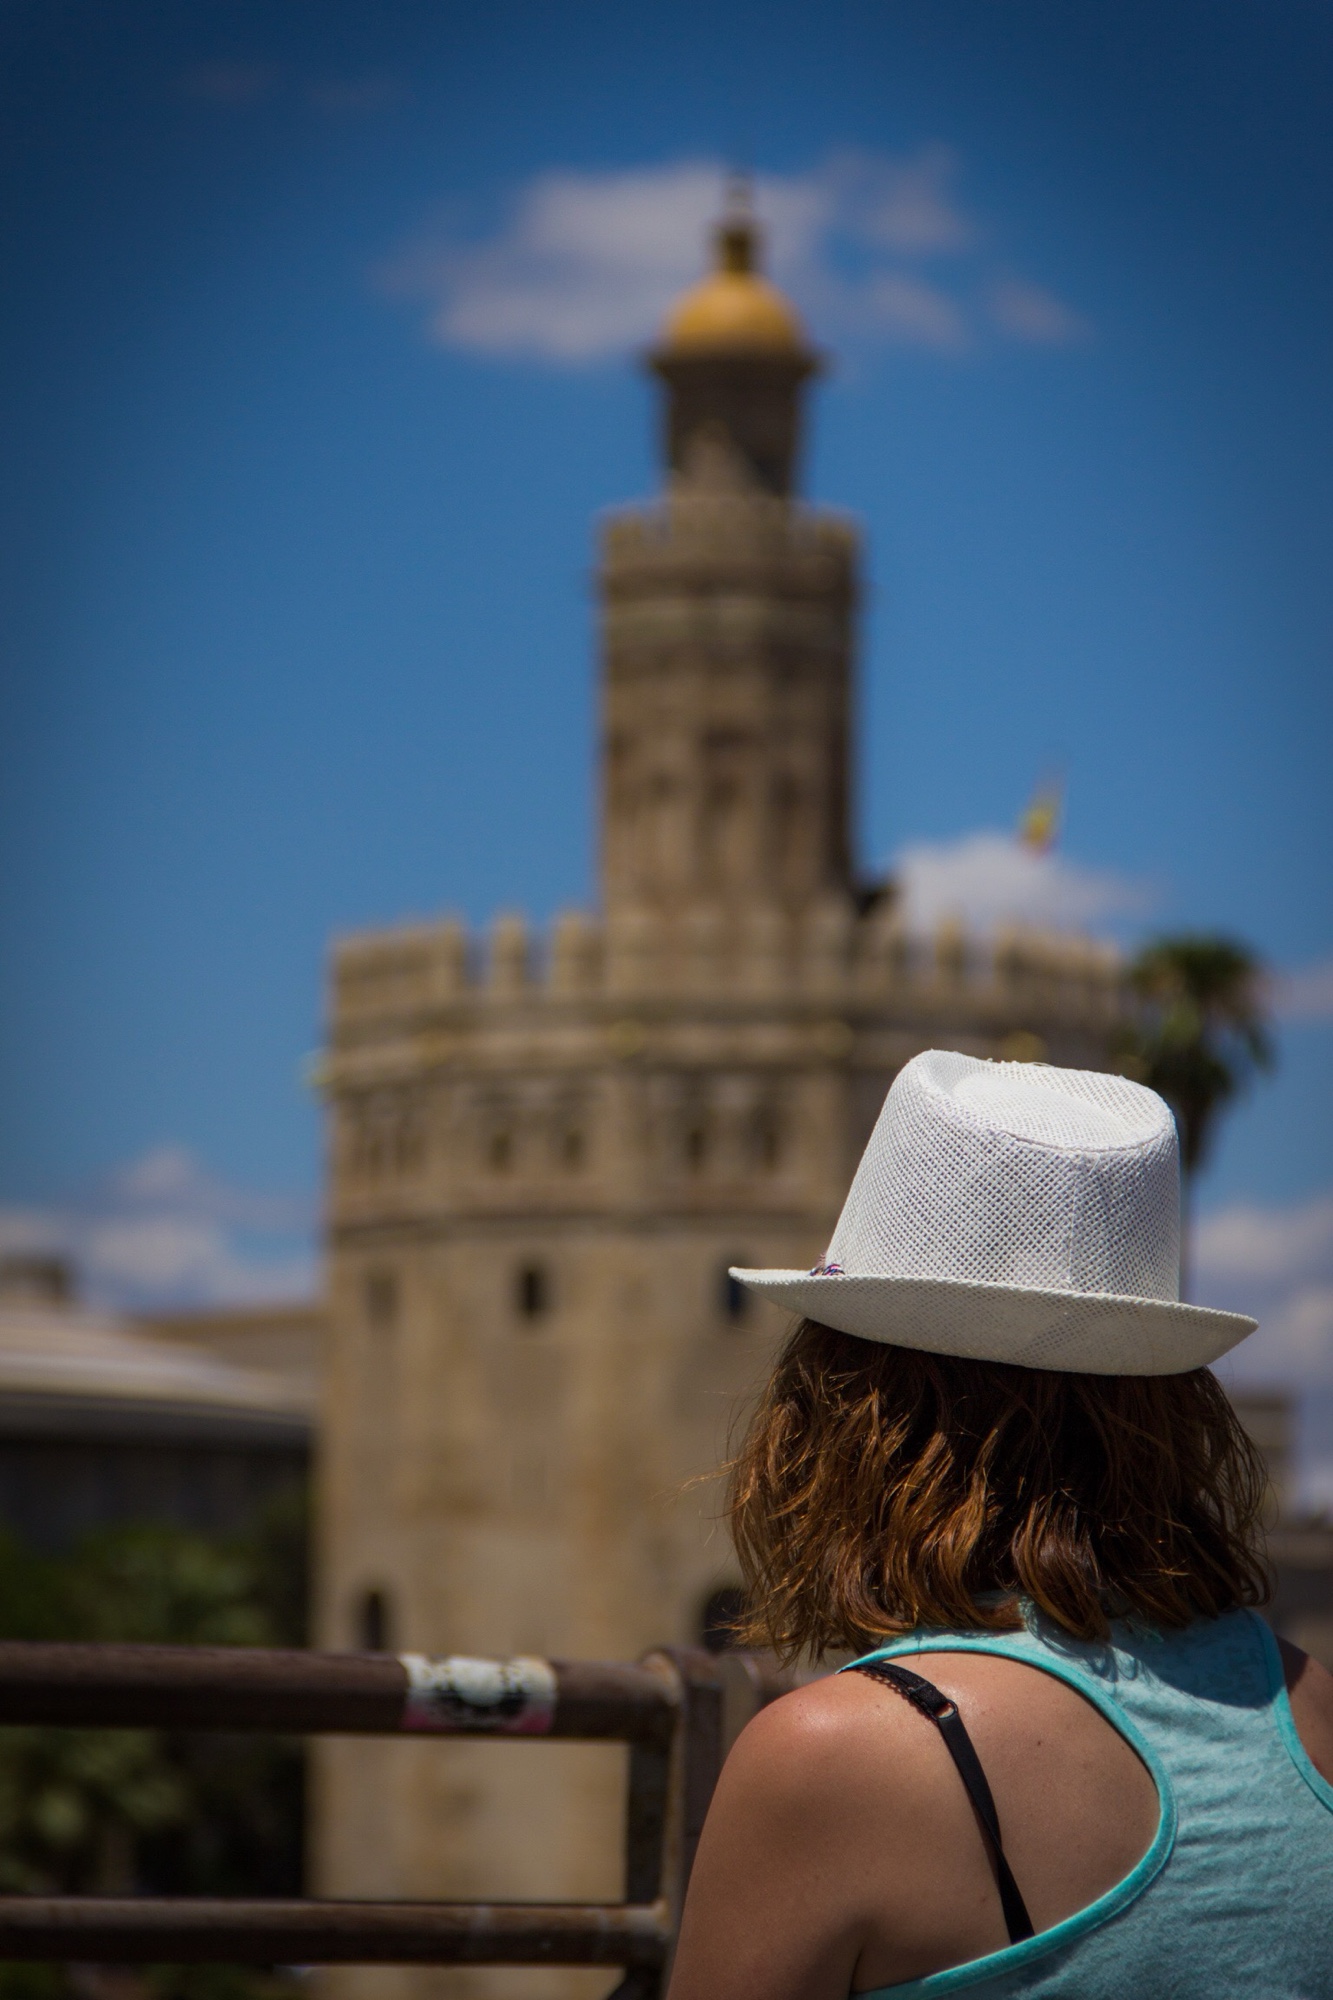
(545, 1151)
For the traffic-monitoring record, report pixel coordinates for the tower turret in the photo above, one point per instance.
(733, 359)
(727, 630)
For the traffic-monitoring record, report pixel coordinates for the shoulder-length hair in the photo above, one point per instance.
(879, 1489)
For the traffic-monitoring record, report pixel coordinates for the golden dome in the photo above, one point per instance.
(734, 310)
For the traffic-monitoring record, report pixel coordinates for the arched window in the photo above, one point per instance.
(380, 1298)
(722, 1609)
(373, 1624)
(732, 1297)
(532, 1291)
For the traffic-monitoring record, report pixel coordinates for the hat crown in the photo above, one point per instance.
(1017, 1174)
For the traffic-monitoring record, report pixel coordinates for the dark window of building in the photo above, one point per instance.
(571, 1148)
(767, 1140)
(732, 1295)
(533, 1291)
(718, 1619)
(500, 1152)
(381, 1298)
(373, 1622)
(696, 1147)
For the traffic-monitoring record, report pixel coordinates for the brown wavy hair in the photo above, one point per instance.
(879, 1489)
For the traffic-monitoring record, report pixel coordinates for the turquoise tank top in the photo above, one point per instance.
(1235, 1895)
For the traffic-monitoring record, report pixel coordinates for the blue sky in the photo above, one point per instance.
(318, 344)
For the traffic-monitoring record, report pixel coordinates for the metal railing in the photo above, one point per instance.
(669, 1709)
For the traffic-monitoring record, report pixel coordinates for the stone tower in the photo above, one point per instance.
(544, 1153)
(727, 643)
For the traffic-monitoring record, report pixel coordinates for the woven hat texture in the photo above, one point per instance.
(1015, 1212)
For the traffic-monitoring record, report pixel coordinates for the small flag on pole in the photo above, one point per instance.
(1039, 826)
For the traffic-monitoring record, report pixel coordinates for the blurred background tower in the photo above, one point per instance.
(545, 1153)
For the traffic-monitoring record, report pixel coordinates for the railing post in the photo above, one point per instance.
(686, 1789)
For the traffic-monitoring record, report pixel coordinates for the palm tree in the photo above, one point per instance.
(1200, 1038)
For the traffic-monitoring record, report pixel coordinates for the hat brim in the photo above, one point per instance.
(1087, 1333)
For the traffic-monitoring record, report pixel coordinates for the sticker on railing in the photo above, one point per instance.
(505, 1697)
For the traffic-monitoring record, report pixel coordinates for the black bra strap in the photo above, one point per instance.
(929, 1699)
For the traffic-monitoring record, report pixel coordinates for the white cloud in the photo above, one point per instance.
(1305, 994)
(909, 205)
(161, 1232)
(1247, 1242)
(1293, 1345)
(989, 879)
(1277, 1264)
(172, 1178)
(908, 308)
(1030, 312)
(1296, 1337)
(586, 264)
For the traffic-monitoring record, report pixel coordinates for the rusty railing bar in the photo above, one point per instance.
(669, 1709)
(194, 1930)
(295, 1692)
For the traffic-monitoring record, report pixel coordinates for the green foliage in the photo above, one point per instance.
(35, 1982)
(163, 1585)
(206, 1982)
(74, 1804)
(1202, 1033)
(118, 1811)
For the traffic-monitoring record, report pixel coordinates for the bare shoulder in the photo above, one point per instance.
(824, 1744)
(830, 1726)
(827, 1726)
(1310, 1691)
(823, 1716)
(784, 1844)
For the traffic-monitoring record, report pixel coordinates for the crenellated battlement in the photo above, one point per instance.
(832, 957)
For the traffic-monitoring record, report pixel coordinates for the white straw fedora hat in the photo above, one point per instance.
(1015, 1212)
